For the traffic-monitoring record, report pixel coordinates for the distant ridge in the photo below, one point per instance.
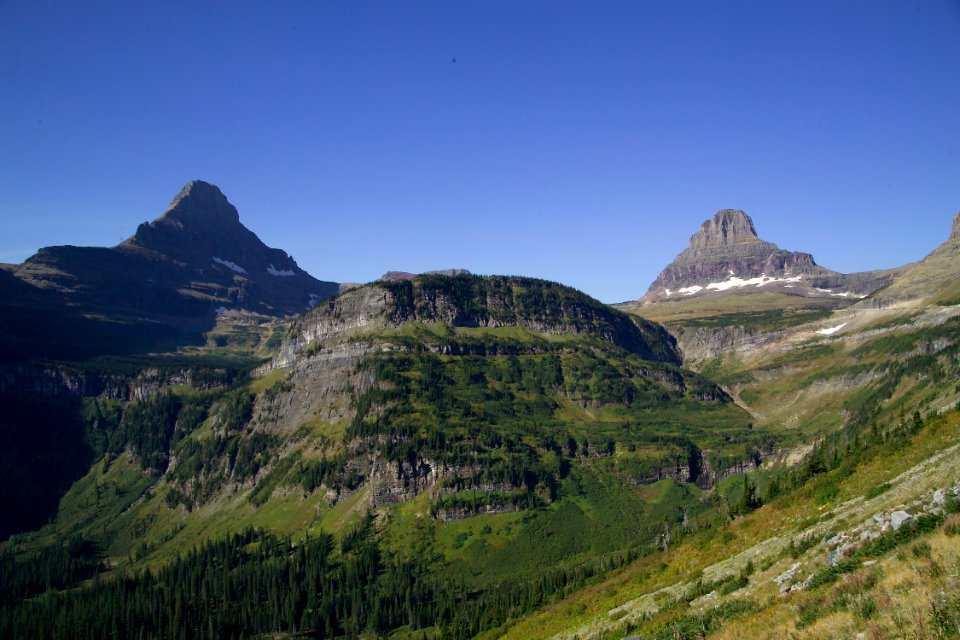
(406, 275)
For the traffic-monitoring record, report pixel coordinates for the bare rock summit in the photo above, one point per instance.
(727, 256)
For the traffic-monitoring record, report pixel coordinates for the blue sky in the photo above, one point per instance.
(580, 142)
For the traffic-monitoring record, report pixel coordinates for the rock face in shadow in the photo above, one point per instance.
(190, 261)
(160, 288)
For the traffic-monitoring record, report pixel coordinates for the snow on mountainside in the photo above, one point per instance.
(726, 255)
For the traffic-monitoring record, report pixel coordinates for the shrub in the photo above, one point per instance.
(873, 492)
(951, 526)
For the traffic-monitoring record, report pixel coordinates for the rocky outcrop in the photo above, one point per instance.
(704, 343)
(471, 301)
(58, 381)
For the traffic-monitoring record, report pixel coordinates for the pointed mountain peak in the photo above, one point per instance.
(955, 231)
(200, 200)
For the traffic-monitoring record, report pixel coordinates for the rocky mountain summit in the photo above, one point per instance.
(726, 254)
(194, 259)
(162, 287)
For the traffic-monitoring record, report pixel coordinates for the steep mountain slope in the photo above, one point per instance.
(503, 434)
(176, 274)
(857, 535)
(490, 457)
(726, 258)
(798, 367)
(934, 279)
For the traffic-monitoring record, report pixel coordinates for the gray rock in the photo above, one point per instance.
(868, 535)
(899, 518)
(788, 575)
(727, 245)
(939, 497)
(835, 540)
(835, 557)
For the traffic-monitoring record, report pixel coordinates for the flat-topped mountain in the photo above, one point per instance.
(726, 254)
(481, 302)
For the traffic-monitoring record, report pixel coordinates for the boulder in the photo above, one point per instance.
(939, 497)
(788, 575)
(899, 518)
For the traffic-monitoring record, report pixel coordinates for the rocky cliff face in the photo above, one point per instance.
(727, 245)
(726, 254)
(473, 301)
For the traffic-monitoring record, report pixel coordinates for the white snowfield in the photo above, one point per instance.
(733, 282)
(759, 281)
(220, 310)
(312, 302)
(831, 330)
(286, 273)
(233, 266)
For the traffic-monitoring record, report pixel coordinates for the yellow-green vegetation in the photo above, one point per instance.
(768, 309)
(495, 480)
(649, 598)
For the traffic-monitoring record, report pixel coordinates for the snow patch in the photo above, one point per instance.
(286, 273)
(220, 310)
(759, 281)
(689, 291)
(314, 298)
(233, 266)
(823, 290)
(667, 291)
(831, 330)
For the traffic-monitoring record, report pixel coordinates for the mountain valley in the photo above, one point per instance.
(448, 455)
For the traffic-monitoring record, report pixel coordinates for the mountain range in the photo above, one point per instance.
(199, 439)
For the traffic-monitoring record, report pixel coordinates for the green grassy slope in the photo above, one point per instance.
(532, 438)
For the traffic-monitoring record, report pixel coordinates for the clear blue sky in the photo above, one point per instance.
(580, 142)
